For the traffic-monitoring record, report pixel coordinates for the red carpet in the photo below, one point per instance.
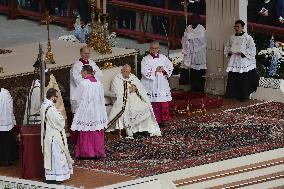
(195, 141)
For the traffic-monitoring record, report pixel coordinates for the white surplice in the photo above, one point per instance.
(246, 45)
(194, 47)
(132, 111)
(34, 99)
(57, 159)
(7, 117)
(89, 106)
(156, 84)
(76, 77)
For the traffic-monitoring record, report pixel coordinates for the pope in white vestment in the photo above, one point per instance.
(90, 117)
(57, 159)
(8, 150)
(132, 109)
(194, 50)
(156, 68)
(75, 72)
(242, 74)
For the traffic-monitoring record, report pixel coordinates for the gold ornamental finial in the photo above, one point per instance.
(49, 55)
(1, 69)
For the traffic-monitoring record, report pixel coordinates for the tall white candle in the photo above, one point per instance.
(104, 6)
(98, 4)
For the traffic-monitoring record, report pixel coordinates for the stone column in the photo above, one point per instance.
(220, 18)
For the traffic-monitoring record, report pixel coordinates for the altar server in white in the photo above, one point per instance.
(194, 50)
(156, 68)
(242, 77)
(57, 159)
(32, 114)
(132, 109)
(33, 104)
(90, 117)
(75, 72)
(8, 148)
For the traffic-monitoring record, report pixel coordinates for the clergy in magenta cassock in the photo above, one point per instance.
(156, 68)
(57, 159)
(8, 147)
(132, 109)
(90, 117)
(75, 72)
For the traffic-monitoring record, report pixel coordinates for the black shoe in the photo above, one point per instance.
(53, 182)
(243, 99)
(137, 135)
(97, 158)
(8, 163)
(83, 158)
(145, 134)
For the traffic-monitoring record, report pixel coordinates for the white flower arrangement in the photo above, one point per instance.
(270, 60)
(274, 51)
(112, 39)
(177, 57)
(69, 38)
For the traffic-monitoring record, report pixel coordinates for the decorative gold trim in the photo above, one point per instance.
(108, 65)
(229, 173)
(253, 182)
(70, 65)
(189, 110)
(125, 96)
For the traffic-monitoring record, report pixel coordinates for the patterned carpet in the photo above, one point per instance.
(196, 141)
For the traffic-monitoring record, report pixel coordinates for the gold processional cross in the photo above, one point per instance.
(49, 56)
(185, 4)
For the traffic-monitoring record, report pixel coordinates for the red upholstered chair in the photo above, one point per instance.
(209, 103)
(187, 95)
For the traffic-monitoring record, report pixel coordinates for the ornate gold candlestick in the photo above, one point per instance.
(100, 32)
(106, 48)
(93, 39)
(98, 39)
(49, 55)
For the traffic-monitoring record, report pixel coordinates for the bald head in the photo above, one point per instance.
(125, 71)
(154, 47)
(85, 52)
